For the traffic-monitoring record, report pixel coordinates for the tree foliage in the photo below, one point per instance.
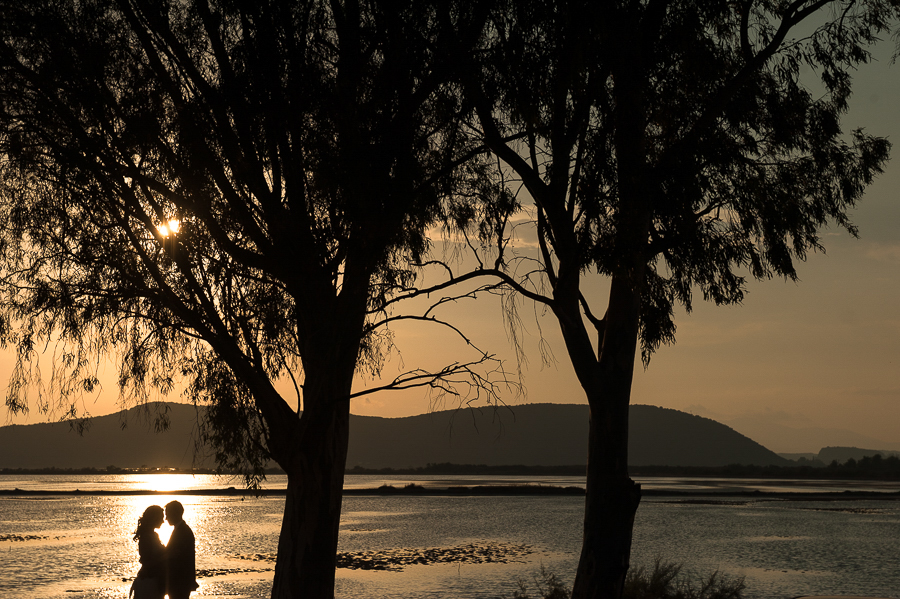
(303, 150)
(673, 148)
(227, 195)
(721, 121)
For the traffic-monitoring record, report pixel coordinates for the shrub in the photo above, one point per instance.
(664, 581)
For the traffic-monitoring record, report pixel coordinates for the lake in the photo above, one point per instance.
(80, 546)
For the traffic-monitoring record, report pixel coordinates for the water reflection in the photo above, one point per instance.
(80, 547)
(166, 482)
(122, 519)
(163, 482)
(127, 517)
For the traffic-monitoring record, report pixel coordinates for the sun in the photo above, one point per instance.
(169, 228)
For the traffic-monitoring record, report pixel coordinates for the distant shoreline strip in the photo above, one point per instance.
(474, 491)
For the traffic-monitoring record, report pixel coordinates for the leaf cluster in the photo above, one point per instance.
(686, 145)
(305, 149)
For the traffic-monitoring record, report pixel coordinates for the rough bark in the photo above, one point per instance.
(612, 498)
(307, 546)
(610, 507)
(611, 503)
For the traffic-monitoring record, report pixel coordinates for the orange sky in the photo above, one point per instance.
(797, 367)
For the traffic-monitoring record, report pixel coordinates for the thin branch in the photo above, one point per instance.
(599, 323)
(440, 380)
(504, 277)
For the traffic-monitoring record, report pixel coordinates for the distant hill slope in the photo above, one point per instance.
(531, 435)
(665, 437)
(545, 435)
(124, 439)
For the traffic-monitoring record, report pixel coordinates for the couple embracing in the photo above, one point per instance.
(164, 568)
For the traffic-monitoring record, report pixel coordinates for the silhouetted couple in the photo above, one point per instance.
(165, 569)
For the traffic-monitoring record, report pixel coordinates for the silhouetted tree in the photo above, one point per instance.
(230, 194)
(670, 147)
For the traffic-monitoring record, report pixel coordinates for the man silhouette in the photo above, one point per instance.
(180, 570)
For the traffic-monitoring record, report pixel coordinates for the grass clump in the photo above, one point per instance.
(664, 580)
(549, 586)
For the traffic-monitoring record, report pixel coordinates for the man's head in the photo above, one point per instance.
(174, 512)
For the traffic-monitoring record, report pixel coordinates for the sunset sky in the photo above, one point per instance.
(798, 366)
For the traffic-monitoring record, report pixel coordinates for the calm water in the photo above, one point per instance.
(80, 547)
(182, 482)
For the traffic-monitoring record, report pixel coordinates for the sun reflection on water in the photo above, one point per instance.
(163, 482)
(84, 542)
(133, 508)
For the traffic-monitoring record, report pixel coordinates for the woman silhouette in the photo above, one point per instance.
(150, 581)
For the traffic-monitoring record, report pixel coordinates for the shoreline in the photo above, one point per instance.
(477, 491)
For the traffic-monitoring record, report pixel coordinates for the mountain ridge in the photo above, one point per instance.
(528, 434)
(547, 434)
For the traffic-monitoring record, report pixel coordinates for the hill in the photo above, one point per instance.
(125, 439)
(533, 435)
(545, 435)
(842, 454)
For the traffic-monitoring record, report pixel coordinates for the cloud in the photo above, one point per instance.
(524, 234)
(882, 252)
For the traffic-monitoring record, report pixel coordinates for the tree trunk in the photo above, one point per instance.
(612, 498)
(611, 503)
(307, 547)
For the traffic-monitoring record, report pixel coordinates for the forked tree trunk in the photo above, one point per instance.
(307, 547)
(612, 498)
